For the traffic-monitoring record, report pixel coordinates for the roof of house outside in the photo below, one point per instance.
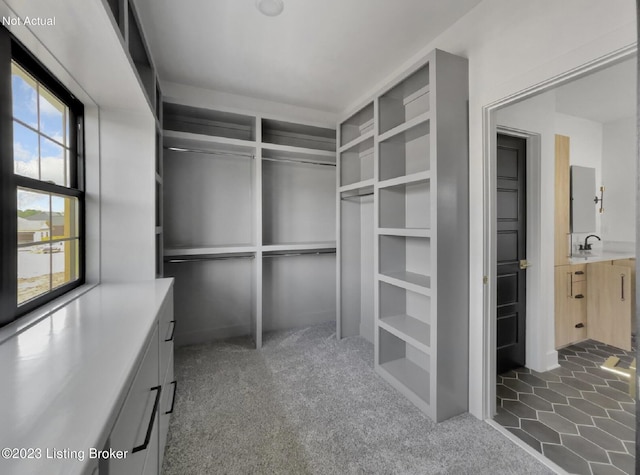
(29, 225)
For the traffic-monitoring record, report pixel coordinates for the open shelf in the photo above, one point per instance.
(406, 232)
(406, 260)
(158, 204)
(298, 203)
(298, 135)
(300, 247)
(298, 290)
(405, 101)
(406, 314)
(216, 297)
(356, 163)
(405, 153)
(208, 250)
(356, 267)
(408, 280)
(359, 124)
(186, 141)
(407, 365)
(117, 10)
(158, 109)
(140, 56)
(366, 136)
(405, 126)
(195, 120)
(405, 206)
(406, 179)
(363, 186)
(287, 153)
(401, 253)
(208, 195)
(159, 144)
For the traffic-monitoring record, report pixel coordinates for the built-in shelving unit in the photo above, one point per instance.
(253, 195)
(400, 106)
(412, 169)
(129, 29)
(357, 127)
(355, 208)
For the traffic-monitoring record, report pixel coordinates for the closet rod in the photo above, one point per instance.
(207, 258)
(298, 160)
(300, 254)
(210, 152)
(356, 196)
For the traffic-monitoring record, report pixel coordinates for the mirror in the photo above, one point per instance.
(583, 192)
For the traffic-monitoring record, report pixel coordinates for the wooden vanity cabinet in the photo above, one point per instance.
(611, 303)
(570, 304)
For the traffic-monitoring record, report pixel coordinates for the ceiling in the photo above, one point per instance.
(322, 54)
(604, 96)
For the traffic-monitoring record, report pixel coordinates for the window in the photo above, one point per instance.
(42, 199)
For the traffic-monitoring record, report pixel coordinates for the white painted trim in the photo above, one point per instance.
(537, 357)
(527, 448)
(489, 130)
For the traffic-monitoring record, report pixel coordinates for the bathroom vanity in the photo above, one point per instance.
(595, 299)
(594, 278)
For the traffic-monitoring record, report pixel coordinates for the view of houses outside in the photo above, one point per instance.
(47, 252)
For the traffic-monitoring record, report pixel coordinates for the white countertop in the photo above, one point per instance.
(600, 256)
(64, 379)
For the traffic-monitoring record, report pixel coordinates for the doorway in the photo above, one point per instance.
(560, 402)
(511, 233)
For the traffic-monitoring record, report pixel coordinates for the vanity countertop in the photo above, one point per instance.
(599, 256)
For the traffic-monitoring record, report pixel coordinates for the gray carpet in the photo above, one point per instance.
(309, 404)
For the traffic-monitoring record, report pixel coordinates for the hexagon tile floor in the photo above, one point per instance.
(577, 415)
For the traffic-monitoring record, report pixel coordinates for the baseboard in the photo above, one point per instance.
(551, 360)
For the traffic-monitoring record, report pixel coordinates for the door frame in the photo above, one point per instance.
(533, 249)
(489, 140)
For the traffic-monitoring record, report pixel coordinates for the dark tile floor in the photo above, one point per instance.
(577, 415)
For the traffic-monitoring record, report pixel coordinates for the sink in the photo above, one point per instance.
(598, 256)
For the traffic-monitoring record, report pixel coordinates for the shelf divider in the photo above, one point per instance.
(424, 117)
(418, 283)
(409, 329)
(406, 179)
(405, 232)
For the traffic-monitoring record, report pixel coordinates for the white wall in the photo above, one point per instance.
(513, 45)
(619, 179)
(127, 195)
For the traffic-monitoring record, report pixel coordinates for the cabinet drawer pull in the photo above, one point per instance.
(173, 398)
(579, 296)
(622, 287)
(579, 272)
(173, 330)
(147, 437)
(580, 325)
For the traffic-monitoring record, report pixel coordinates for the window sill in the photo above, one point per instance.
(27, 321)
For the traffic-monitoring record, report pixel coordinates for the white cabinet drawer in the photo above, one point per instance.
(138, 417)
(151, 465)
(167, 331)
(167, 405)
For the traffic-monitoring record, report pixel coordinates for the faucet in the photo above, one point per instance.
(587, 245)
